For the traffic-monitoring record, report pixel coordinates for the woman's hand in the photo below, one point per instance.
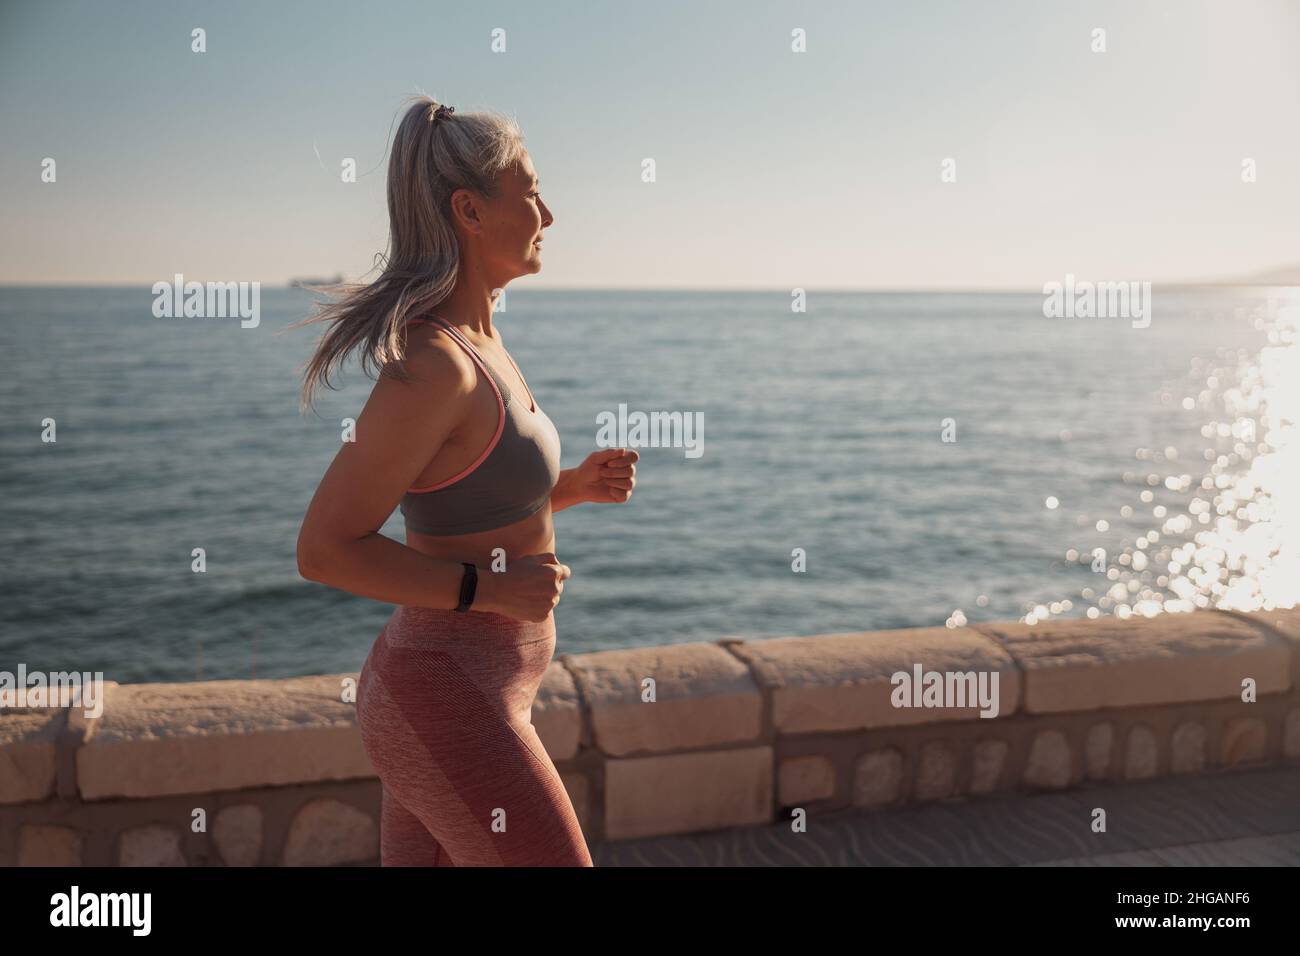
(527, 590)
(606, 476)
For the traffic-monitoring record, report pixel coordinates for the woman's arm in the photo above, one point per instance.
(402, 425)
(564, 494)
(605, 476)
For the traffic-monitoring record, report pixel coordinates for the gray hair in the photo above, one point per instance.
(432, 156)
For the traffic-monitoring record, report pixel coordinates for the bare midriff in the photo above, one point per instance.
(533, 535)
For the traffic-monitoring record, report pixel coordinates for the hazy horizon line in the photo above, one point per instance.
(919, 290)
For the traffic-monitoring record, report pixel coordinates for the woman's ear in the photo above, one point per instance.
(465, 211)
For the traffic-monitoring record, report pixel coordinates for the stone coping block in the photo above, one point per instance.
(837, 682)
(557, 713)
(703, 697)
(161, 739)
(1075, 665)
(1286, 622)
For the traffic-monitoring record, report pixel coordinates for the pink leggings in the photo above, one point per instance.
(445, 706)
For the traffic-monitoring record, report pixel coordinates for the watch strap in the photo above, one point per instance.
(468, 585)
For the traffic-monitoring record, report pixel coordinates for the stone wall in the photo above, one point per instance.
(662, 740)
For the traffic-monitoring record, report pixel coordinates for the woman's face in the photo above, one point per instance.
(509, 238)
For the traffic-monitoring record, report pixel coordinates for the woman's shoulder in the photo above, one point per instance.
(433, 364)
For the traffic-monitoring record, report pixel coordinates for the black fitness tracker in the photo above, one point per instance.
(468, 585)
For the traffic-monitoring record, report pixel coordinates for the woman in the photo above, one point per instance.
(453, 436)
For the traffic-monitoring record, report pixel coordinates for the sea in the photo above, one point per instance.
(863, 461)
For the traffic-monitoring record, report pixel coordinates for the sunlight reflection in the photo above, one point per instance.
(1226, 533)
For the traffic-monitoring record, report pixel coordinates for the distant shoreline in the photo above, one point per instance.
(720, 290)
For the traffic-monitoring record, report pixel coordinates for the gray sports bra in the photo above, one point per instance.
(510, 480)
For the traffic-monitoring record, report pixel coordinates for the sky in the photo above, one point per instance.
(775, 169)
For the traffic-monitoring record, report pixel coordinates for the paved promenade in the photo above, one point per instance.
(1239, 818)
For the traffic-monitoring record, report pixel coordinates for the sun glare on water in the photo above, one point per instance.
(1224, 528)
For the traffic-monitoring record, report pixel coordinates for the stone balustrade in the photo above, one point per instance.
(668, 739)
